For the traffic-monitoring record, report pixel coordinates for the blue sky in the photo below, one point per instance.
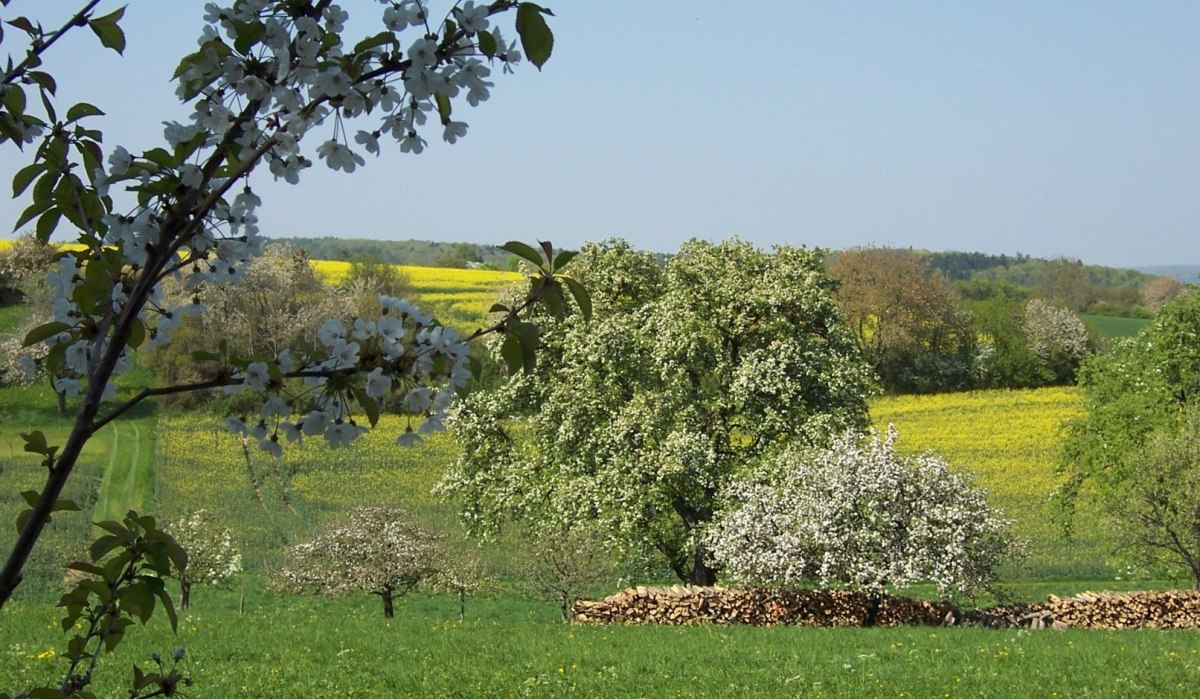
(1047, 128)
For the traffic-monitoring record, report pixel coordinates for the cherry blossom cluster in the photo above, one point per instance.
(401, 355)
(266, 74)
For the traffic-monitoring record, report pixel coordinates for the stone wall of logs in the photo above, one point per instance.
(690, 605)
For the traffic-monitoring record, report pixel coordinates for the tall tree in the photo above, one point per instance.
(1131, 444)
(906, 319)
(686, 374)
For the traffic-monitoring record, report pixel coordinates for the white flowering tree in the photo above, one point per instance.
(686, 374)
(858, 514)
(374, 550)
(267, 77)
(1057, 337)
(213, 558)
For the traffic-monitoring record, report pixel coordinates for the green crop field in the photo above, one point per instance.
(1113, 326)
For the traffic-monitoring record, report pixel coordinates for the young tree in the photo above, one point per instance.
(686, 374)
(860, 515)
(267, 75)
(1057, 337)
(906, 319)
(213, 558)
(462, 572)
(1157, 521)
(559, 565)
(374, 550)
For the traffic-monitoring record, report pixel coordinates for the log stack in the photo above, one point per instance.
(1172, 609)
(716, 605)
(690, 605)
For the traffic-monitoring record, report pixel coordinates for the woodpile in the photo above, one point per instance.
(1173, 609)
(715, 605)
(690, 605)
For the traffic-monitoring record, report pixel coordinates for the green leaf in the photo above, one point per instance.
(487, 44)
(81, 110)
(25, 177)
(24, 25)
(373, 41)
(562, 258)
(37, 208)
(510, 350)
(247, 35)
(44, 80)
(46, 224)
(369, 406)
(499, 308)
(65, 505)
(14, 100)
(444, 108)
(85, 567)
(203, 356)
(31, 496)
(168, 607)
(137, 333)
(524, 251)
(552, 299)
(536, 38)
(22, 519)
(582, 298)
(109, 32)
(159, 156)
(45, 332)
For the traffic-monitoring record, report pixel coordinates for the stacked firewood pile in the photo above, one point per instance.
(691, 605)
(1174, 609)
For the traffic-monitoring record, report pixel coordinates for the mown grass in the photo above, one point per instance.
(128, 481)
(292, 647)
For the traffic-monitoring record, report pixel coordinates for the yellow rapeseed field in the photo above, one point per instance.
(1010, 441)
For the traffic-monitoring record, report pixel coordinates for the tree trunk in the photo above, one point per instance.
(462, 605)
(185, 593)
(702, 576)
(874, 605)
(389, 610)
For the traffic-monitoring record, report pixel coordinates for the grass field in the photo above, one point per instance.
(307, 647)
(1113, 326)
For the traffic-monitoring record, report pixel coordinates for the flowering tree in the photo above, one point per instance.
(686, 374)
(1057, 337)
(212, 556)
(374, 550)
(268, 74)
(858, 514)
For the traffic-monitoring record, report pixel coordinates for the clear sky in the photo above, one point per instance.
(1047, 128)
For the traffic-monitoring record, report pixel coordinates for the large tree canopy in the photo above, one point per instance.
(687, 373)
(1133, 443)
(906, 319)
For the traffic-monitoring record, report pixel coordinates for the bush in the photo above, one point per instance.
(858, 515)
